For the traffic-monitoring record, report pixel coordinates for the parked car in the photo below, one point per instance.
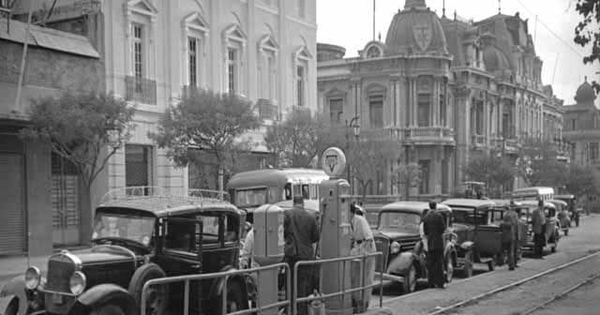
(477, 221)
(563, 217)
(136, 239)
(552, 227)
(501, 206)
(574, 211)
(397, 237)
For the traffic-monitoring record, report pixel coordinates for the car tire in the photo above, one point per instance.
(236, 300)
(12, 308)
(410, 281)
(491, 265)
(566, 232)
(158, 301)
(108, 309)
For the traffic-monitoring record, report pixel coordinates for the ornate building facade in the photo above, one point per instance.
(582, 127)
(446, 88)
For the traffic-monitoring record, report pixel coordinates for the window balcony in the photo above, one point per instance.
(140, 90)
(425, 135)
(267, 110)
(478, 141)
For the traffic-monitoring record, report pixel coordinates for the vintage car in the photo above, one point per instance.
(562, 215)
(552, 226)
(501, 206)
(136, 239)
(574, 212)
(477, 223)
(397, 237)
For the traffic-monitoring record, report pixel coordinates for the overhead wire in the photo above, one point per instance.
(550, 30)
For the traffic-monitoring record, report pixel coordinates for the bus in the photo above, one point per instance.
(252, 189)
(533, 193)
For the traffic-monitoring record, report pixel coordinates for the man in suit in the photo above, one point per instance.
(434, 227)
(300, 231)
(538, 220)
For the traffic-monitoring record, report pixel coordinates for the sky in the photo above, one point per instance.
(349, 23)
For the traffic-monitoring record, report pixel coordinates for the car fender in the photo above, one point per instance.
(108, 293)
(13, 292)
(467, 245)
(219, 285)
(401, 264)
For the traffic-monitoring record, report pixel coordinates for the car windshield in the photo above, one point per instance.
(251, 197)
(468, 216)
(131, 227)
(403, 221)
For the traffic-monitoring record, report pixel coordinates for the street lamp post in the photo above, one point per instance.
(356, 127)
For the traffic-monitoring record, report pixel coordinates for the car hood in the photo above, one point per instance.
(102, 255)
(393, 234)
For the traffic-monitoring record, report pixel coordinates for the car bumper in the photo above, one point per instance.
(389, 276)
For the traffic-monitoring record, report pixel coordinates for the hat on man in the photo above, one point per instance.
(432, 205)
(298, 201)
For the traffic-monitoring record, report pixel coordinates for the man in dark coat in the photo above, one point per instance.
(508, 228)
(300, 232)
(434, 227)
(538, 222)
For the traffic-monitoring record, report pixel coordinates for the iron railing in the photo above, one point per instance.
(361, 259)
(220, 275)
(140, 90)
(155, 192)
(266, 109)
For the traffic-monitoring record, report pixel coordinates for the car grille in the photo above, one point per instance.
(60, 269)
(382, 245)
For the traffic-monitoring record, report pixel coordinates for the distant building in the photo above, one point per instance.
(445, 88)
(264, 50)
(582, 127)
(39, 204)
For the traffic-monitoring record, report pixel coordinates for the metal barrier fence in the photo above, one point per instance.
(343, 292)
(226, 274)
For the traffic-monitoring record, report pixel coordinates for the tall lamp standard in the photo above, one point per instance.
(356, 127)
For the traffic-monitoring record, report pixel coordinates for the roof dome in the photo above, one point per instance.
(585, 93)
(493, 58)
(415, 29)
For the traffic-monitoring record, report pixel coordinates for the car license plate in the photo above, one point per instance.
(57, 298)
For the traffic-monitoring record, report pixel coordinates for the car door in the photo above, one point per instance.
(489, 235)
(221, 241)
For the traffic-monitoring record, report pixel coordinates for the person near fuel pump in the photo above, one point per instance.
(300, 232)
(538, 222)
(434, 228)
(362, 244)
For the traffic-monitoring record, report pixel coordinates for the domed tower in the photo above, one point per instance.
(585, 93)
(416, 29)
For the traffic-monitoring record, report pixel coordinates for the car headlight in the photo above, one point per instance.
(77, 283)
(395, 247)
(32, 278)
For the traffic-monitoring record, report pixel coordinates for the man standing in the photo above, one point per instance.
(300, 232)
(514, 217)
(538, 220)
(508, 228)
(434, 227)
(362, 244)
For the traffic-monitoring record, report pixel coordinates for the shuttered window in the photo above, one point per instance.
(65, 202)
(12, 211)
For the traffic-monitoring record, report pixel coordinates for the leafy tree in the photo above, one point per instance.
(371, 156)
(587, 32)
(208, 121)
(408, 174)
(538, 164)
(582, 180)
(299, 139)
(85, 129)
(491, 168)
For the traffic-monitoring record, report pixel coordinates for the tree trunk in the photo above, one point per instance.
(87, 213)
(221, 181)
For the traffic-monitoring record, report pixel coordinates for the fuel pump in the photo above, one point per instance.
(335, 229)
(268, 250)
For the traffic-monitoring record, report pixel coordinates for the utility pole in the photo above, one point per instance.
(373, 19)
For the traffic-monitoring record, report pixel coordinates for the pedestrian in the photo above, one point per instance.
(246, 260)
(514, 215)
(538, 220)
(362, 244)
(301, 232)
(508, 228)
(422, 231)
(434, 228)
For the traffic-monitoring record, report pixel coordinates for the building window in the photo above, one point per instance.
(193, 60)
(232, 68)
(376, 111)
(573, 124)
(479, 118)
(424, 183)
(138, 55)
(443, 110)
(423, 112)
(300, 77)
(594, 152)
(336, 110)
(138, 166)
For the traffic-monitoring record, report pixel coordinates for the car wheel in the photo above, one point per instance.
(157, 295)
(449, 269)
(109, 309)
(410, 281)
(566, 232)
(491, 265)
(12, 308)
(235, 298)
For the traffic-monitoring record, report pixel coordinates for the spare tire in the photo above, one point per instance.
(158, 295)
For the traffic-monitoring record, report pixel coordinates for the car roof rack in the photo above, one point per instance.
(157, 194)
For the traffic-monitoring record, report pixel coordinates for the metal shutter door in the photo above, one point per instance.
(12, 229)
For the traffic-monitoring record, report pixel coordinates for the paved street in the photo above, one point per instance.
(581, 242)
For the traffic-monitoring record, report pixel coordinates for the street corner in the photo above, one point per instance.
(378, 311)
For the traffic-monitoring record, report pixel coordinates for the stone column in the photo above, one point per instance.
(435, 106)
(437, 170)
